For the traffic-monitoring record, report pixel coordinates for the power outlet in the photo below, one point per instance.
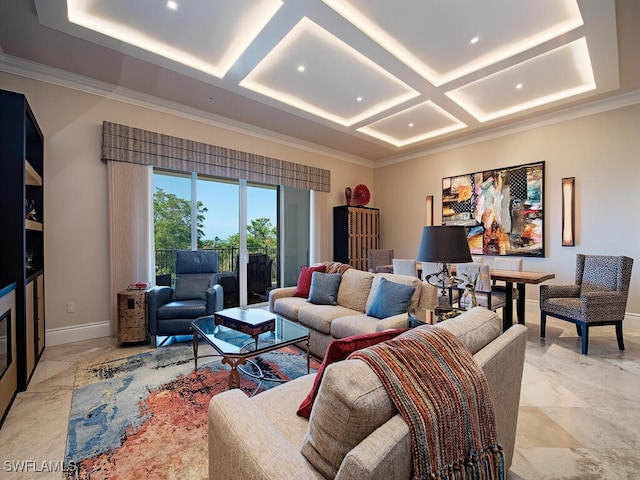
(71, 307)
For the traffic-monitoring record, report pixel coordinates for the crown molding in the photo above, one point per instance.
(592, 108)
(62, 78)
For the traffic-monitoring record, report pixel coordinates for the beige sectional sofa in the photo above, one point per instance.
(363, 435)
(356, 293)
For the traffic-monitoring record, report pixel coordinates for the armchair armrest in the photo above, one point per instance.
(156, 297)
(385, 454)
(215, 299)
(277, 293)
(239, 430)
(603, 306)
(559, 291)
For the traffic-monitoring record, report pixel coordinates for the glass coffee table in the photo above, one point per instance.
(236, 347)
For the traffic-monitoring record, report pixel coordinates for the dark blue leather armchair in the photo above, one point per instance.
(196, 293)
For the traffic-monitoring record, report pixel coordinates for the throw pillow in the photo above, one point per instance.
(391, 299)
(304, 280)
(324, 288)
(191, 287)
(339, 350)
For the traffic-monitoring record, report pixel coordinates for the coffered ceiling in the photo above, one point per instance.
(371, 78)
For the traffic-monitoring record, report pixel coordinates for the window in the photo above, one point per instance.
(195, 211)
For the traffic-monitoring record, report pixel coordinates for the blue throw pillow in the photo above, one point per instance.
(391, 299)
(324, 288)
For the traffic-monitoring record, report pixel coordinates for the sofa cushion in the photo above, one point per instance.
(476, 328)
(339, 350)
(289, 307)
(402, 279)
(324, 288)
(391, 299)
(190, 286)
(182, 309)
(304, 280)
(319, 317)
(349, 325)
(351, 404)
(354, 289)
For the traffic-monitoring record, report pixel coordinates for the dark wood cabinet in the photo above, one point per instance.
(22, 220)
(355, 232)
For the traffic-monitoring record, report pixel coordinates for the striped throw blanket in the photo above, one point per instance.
(444, 397)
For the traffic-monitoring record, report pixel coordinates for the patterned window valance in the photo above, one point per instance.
(127, 144)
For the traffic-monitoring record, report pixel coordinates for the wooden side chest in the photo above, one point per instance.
(132, 316)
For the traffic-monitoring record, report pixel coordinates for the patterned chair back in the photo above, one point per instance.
(603, 273)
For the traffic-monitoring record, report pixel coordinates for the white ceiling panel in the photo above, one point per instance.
(415, 124)
(445, 40)
(555, 75)
(313, 70)
(206, 35)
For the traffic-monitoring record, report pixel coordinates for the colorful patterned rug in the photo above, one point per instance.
(145, 415)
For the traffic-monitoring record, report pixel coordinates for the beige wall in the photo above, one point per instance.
(601, 151)
(76, 235)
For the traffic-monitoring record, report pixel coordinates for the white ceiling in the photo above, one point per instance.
(399, 75)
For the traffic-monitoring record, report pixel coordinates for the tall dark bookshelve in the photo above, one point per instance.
(21, 217)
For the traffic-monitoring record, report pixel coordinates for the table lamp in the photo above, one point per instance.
(445, 245)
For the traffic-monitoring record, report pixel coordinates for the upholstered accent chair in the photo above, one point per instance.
(195, 293)
(485, 295)
(405, 266)
(380, 260)
(598, 297)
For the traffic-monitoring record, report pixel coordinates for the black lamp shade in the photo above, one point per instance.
(444, 244)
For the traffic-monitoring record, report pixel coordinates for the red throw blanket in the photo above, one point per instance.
(444, 397)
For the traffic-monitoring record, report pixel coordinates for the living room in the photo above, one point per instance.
(596, 143)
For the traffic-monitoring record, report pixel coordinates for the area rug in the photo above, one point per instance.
(145, 415)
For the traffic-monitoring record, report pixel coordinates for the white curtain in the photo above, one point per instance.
(321, 228)
(130, 228)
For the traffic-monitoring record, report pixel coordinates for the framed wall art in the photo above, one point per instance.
(502, 209)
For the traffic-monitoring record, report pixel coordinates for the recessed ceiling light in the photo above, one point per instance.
(519, 86)
(172, 5)
(411, 124)
(301, 68)
(359, 99)
(474, 40)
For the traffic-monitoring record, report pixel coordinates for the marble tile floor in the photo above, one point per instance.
(579, 415)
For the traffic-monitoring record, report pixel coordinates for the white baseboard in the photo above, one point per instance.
(77, 333)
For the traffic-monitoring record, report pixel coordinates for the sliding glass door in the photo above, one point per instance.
(207, 213)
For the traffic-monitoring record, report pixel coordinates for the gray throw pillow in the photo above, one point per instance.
(191, 287)
(324, 288)
(391, 299)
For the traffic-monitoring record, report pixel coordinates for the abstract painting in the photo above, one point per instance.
(502, 209)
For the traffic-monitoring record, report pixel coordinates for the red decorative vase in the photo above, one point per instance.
(347, 195)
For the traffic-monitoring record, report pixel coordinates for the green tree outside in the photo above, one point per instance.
(172, 221)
